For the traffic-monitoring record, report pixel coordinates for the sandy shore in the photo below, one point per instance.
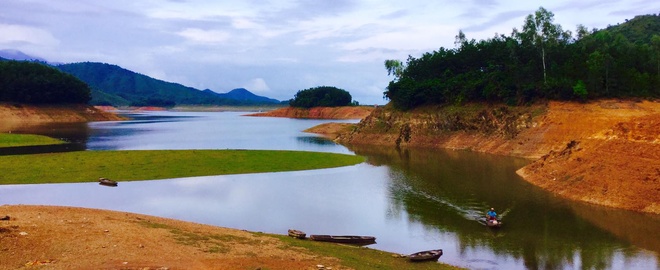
(80, 238)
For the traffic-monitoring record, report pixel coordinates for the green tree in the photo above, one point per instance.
(580, 90)
(37, 83)
(542, 33)
(655, 45)
(394, 67)
(540, 62)
(321, 96)
(581, 32)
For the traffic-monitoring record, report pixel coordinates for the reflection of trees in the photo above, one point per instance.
(315, 140)
(76, 134)
(640, 229)
(450, 190)
(71, 132)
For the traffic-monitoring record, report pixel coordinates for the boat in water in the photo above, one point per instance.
(493, 223)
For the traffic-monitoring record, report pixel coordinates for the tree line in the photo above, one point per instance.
(322, 96)
(37, 83)
(540, 61)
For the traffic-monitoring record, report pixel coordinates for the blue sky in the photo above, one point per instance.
(275, 48)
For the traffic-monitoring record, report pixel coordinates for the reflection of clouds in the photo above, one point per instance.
(199, 182)
(410, 201)
(210, 130)
(356, 199)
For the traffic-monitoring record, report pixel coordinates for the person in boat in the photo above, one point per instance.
(492, 215)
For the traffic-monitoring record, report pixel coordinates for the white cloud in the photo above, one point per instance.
(207, 37)
(275, 46)
(12, 34)
(244, 23)
(257, 85)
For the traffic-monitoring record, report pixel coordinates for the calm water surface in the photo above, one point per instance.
(410, 200)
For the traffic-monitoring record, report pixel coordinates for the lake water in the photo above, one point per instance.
(409, 200)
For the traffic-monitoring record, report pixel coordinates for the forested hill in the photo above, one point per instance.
(640, 29)
(113, 85)
(36, 83)
(539, 61)
(244, 95)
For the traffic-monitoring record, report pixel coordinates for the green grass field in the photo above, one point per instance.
(88, 166)
(12, 140)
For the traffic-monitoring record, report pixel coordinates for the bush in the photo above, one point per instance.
(322, 96)
(580, 90)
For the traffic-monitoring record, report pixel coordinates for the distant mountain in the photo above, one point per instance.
(245, 95)
(113, 85)
(9, 54)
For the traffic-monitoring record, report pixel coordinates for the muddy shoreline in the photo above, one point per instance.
(604, 152)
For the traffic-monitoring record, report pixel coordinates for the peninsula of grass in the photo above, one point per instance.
(88, 166)
(14, 140)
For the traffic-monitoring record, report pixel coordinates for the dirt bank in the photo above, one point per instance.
(79, 238)
(605, 152)
(56, 237)
(19, 114)
(348, 112)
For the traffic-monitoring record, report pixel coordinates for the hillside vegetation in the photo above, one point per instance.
(116, 86)
(581, 106)
(36, 83)
(322, 96)
(540, 61)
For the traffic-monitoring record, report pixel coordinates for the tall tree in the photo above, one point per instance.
(460, 39)
(581, 32)
(394, 67)
(655, 44)
(542, 33)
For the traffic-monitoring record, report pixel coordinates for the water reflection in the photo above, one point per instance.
(315, 140)
(451, 190)
(411, 200)
(74, 133)
(27, 150)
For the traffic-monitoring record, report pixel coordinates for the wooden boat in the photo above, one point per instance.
(297, 234)
(345, 239)
(493, 223)
(428, 255)
(107, 182)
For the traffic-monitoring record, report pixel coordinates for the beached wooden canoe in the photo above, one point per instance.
(107, 182)
(427, 255)
(297, 234)
(345, 239)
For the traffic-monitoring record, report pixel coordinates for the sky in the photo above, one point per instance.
(275, 48)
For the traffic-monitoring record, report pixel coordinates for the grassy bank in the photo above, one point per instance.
(88, 166)
(361, 257)
(13, 140)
